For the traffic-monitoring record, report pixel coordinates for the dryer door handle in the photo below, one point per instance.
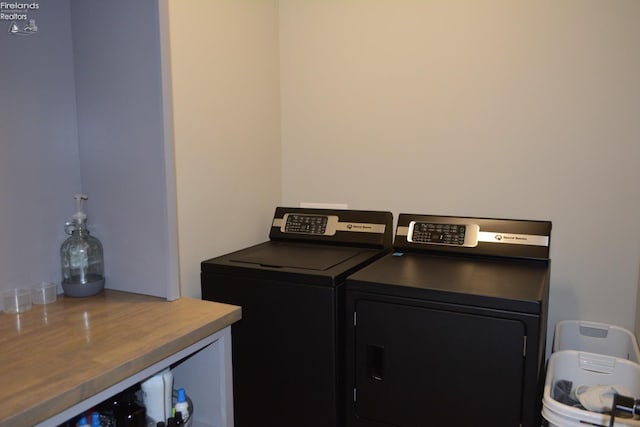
(375, 362)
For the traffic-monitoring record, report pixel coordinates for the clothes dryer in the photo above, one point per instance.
(450, 328)
(288, 348)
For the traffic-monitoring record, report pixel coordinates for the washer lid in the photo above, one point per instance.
(307, 257)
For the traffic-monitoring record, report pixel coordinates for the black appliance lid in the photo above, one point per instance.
(518, 285)
(307, 257)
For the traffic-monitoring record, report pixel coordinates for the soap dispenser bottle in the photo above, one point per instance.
(81, 257)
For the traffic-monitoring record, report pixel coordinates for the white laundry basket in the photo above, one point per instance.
(595, 337)
(582, 368)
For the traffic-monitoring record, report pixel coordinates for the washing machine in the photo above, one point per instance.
(450, 328)
(288, 348)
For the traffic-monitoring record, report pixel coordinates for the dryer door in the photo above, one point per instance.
(418, 366)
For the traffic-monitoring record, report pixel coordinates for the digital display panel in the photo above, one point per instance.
(446, 234)
(307, 224)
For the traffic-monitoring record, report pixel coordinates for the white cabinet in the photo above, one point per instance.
(204, 369)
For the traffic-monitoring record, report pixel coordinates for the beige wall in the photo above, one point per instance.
(224, 77)
(497, 108)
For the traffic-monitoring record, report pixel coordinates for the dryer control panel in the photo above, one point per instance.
(442, 233)
(474, 236)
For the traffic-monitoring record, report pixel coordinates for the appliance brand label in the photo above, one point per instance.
(360, 227)
(513, 239)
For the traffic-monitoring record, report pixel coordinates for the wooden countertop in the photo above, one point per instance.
(56, 355)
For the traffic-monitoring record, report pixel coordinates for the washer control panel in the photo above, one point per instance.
(308, 224)
(442, 233)
(334, 226)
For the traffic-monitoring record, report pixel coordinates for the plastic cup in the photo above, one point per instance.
(44, 293)
(16, 300)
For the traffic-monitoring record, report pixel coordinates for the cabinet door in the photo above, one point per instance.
(417, 366)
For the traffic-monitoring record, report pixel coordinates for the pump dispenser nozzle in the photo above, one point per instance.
(79, 215)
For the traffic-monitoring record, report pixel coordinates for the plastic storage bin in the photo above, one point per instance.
(595, 337)
(583, 368)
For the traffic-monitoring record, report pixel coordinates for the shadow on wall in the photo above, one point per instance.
(563, 305)
(637, 324)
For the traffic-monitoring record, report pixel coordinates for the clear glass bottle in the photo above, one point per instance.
(81, 257)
